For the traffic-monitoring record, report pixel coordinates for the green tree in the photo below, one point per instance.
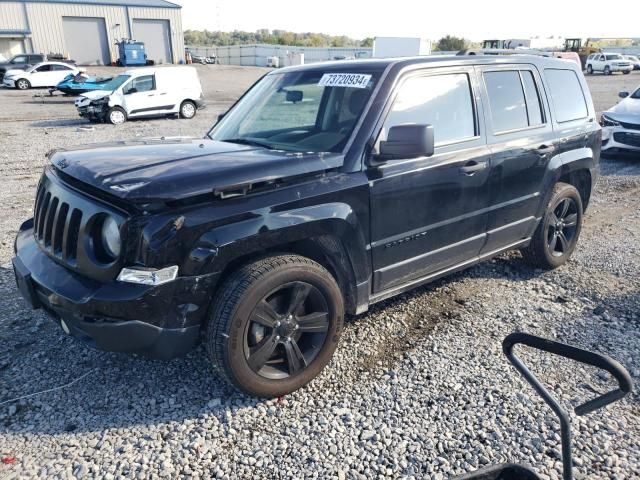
(206, 38)
(450, 43)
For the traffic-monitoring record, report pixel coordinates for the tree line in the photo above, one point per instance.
(273, 37)
(207, 38)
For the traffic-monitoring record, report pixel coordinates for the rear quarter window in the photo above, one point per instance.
(567, 96)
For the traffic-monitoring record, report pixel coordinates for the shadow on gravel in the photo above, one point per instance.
(119, 391)
(51, 101)
(61, 123)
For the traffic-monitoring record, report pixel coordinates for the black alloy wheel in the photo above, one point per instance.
(562, 227)
(274, 324)
(557, 233)
(286, 330)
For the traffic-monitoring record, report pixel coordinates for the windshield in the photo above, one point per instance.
(636, 94)
(115, 82)
(304, 111)
(614, 57)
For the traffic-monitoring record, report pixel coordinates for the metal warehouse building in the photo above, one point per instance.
(87, 30)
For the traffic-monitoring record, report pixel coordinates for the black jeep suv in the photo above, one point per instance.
(324, 189)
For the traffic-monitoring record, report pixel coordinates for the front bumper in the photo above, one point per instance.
(92, 111)
(161, 321)
(618, 68)
(620, 138)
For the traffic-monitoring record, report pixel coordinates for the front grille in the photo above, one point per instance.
(632, 139)
(64, 224)
(630, 126)
(56, 225)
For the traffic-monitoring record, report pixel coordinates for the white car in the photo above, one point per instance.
(45, 74)
(144, 92)
(621, 124)
(635, 61)
(608, 63)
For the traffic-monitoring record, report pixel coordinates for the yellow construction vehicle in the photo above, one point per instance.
(583, 51)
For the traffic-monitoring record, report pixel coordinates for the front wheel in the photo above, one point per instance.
(589, 69)
(607, 70)
(274, 325)
(23, 84)
(627, 72)
(557, 234)
(116, 116)
(187, 109)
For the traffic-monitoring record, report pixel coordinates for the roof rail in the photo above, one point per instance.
(505, 51)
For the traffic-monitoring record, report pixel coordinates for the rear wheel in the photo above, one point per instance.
(275, 324)
(23, 84)
(116, 116)
(557, 234)
(589, 69)
(187, 109)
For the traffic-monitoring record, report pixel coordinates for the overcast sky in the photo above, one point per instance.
(476, 20)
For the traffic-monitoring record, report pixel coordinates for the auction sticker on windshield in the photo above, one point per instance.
(352, 80)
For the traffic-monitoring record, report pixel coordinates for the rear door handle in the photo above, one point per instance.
(545, 149)
(472, 167)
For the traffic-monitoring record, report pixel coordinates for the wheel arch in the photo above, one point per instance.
(329, 234)
(582, 180)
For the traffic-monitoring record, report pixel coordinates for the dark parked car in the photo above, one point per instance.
(325, 189)
(21, 62)
(24, 61)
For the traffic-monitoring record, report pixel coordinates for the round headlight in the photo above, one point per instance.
(110, 237)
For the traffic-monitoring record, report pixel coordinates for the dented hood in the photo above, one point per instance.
(174, 169)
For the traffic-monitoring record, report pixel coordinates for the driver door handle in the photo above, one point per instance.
(472, 167)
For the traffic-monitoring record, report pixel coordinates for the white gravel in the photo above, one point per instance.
(418, 388)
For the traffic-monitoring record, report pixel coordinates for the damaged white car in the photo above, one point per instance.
(621, 124)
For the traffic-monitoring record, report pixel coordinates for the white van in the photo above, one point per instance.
(144, 92)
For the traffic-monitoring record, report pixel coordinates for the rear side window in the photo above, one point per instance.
(513, 100)
(566, 94)
(443, 101)
(59, 68)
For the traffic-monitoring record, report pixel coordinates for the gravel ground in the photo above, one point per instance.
(418, 387)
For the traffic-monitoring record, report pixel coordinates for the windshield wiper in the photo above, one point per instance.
(247, 141)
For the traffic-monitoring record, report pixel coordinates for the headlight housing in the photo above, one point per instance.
(608, 122)
(110, 240)
(148, 276)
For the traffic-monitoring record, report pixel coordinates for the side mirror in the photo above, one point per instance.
(408, 141)
(221, 116)
(623, 94)
(294, 96)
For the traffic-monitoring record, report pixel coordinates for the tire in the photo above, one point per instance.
(278, 353)
(23, 84)
(187, 109)
(627, 72)
(589, 69)
(607, 70)
(547, 249)
(116, 116)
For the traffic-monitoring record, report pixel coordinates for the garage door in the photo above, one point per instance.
(86, 40)
(156, 38)
(11, 46)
